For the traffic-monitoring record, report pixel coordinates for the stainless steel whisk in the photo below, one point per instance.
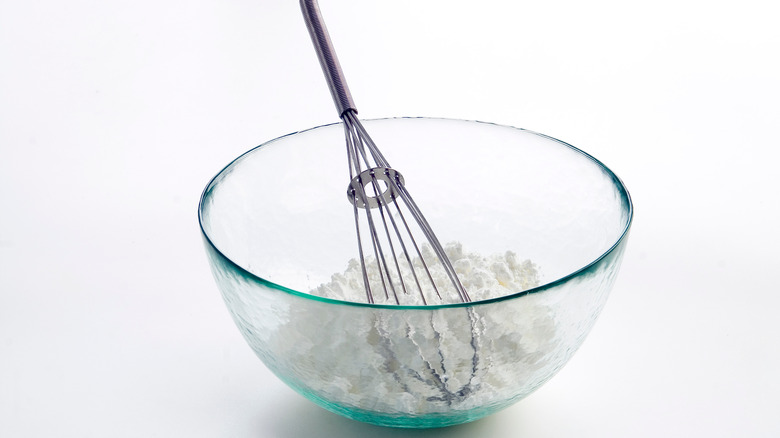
(375, 186)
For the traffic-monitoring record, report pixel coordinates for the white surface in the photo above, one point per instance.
(114, 115)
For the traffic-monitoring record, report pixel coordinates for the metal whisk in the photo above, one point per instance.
(376, 188)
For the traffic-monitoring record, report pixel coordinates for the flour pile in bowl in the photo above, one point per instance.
(484, 277)
(419, 361)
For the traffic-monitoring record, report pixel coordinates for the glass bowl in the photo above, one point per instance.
(277, 223)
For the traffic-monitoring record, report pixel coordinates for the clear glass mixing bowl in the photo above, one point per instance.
(277, 223)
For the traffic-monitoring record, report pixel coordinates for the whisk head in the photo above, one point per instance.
(397, 247)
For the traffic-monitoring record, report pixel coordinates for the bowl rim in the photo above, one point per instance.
(275, 286)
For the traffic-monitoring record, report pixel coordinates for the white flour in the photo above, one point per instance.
(419, 361)
(483, 277)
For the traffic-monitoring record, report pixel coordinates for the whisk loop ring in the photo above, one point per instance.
(358, 195)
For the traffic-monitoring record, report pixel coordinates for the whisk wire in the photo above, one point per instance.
(380, 159)
(382, 210)
(419, 255)
(404, 249)
(366, 283)
(437, 248)
(406, 253)
(379, 255)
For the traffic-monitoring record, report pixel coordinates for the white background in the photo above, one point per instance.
(115, 114)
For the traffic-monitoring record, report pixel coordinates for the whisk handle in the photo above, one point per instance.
(327, 55)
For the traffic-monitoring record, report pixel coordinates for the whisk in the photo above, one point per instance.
(378, 190)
